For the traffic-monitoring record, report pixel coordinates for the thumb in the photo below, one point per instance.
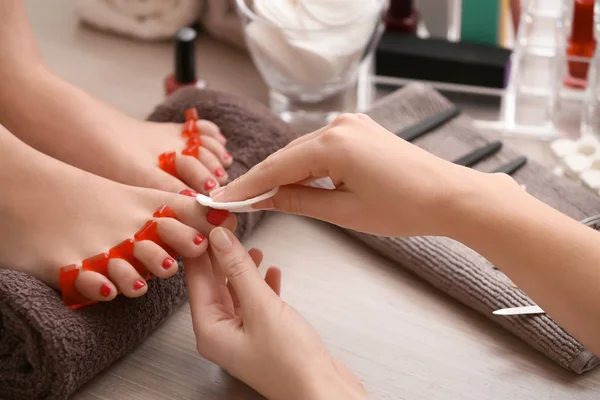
(329, 205)
(240, 270)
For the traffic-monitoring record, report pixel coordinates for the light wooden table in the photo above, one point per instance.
(404, 339)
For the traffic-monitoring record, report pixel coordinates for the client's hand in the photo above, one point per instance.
(249, 331)
(384, 185)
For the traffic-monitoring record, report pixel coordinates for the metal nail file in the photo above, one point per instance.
(427, 125)
(512, 166)
(472, 158)
(520, 310)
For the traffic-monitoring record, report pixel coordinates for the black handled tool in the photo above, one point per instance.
(428, 124)
(512, 166)
(468, 160)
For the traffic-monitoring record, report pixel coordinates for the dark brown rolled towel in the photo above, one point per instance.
(47, 351)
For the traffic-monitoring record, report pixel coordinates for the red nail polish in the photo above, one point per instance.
(581, 43)
(198, 239)
(216, 217)
(185, 71)
(168, 263)
(226, 156)
(139, 284)
(402, 17)
(105, 290)
(219, 172)
(188, 192)
(210, 184)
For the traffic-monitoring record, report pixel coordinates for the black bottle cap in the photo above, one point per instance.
(401, 8)
(185, 62)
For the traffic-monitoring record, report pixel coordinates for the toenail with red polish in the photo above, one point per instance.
(210, 184)
(188, 192)
(198, 239)
(105, 290)
(165, 212)
(166, 162)
(191, 150)
(139, 284)
(191, 114)
(219, 172)
(168, 263)
(216, 217)
(97, 263)
(226, 156)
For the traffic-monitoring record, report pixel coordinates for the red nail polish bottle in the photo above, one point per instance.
(402, 17)
(581, 43)
(185, 62)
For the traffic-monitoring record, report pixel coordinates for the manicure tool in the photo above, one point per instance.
(427, 125)
(512, 166)
(594, 223)
(472, 158)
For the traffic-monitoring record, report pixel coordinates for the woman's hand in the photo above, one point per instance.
(384, 185)
(244, 327)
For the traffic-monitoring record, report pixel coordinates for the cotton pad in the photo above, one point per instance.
(235, 206)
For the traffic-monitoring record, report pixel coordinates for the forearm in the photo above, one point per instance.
(553, 258)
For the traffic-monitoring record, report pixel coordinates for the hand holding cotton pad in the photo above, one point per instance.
(236, 206)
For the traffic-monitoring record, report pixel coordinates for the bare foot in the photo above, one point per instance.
(54, 215)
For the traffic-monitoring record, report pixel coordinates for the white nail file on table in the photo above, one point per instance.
(236, 206)
(520, 310)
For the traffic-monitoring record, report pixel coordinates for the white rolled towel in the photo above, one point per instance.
(142, 19)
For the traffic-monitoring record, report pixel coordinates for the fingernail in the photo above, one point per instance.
(215, 193)
(168, 263)
(220, 239)
(198, 239)
(226, 156)
(105, 290)
(189, 192)
(219, 172)
(216, 217)
(210, 184)
(139, 284)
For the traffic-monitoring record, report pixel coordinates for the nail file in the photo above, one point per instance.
(236, 206)
(512, 166)
(520, 311)
(468, 160)
(425, 126)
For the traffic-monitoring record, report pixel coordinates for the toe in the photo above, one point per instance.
(208, 128)
(183, 239)
(126, 278)
(213, 164)
(195, 174)
(95, 286)
(218, 150)
(155, 259)
(201, 218)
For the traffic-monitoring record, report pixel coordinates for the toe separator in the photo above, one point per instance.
(71, 297)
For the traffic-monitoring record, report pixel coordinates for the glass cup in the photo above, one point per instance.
(312, 71)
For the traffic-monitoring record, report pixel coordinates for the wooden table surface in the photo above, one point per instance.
(404, 339)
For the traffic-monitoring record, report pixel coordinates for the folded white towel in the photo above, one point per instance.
(142, 19)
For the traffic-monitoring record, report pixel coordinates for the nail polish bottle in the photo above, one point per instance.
(581, 43)
(185, 62)
(402, 17)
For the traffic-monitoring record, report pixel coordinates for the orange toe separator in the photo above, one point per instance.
(166, 162)
(191, 114)
(124, 250)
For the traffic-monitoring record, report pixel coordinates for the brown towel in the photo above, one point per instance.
(47, 350)
(454, 268)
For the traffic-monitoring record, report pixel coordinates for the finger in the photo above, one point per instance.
(221, 282)
(209, 128)
(213, 164)
(195, 174)
(293, 165)
(273, 279)
(200, 281)
(257, 257)
(333, 206)
(240, 270)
